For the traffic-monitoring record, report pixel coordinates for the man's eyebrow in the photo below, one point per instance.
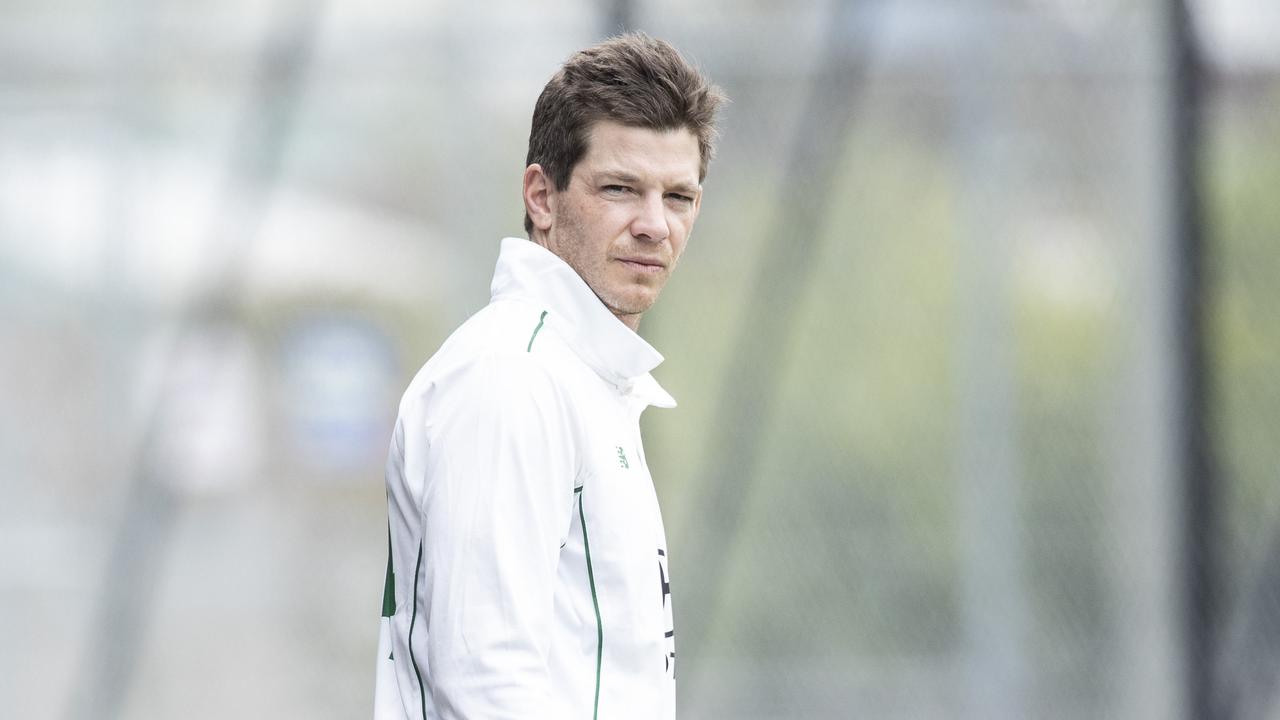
(618, 175)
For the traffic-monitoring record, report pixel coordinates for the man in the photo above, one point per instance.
(528, 566)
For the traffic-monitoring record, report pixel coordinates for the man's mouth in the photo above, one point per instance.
(644, 265)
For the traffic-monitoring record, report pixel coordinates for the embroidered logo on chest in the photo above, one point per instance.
(622, 459)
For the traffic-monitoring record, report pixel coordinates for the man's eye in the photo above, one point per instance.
(615, 189)
(680, 198)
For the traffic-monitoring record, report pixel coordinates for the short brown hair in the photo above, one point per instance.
(631, 79)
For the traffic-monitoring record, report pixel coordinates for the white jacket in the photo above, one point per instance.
(528, 571)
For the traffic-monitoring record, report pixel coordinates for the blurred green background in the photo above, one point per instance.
(928, 341)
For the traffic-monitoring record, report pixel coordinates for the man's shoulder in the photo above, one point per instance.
(504, 339)
(502, 328)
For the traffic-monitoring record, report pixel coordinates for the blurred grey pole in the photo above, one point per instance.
(117, 620)
(1145, 486)
(620, 16)
(135, 561)
(994, 597)
(1200, 570)
(749, 386)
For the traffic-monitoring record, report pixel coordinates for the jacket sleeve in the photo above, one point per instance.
(496, 506)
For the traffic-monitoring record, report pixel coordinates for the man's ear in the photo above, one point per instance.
(538, 197)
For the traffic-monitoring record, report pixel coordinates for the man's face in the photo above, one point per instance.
(626, 215)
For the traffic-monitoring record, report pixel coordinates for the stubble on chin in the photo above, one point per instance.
(635, 292)
(619, 301)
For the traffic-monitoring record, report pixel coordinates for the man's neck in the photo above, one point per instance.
(631, 320)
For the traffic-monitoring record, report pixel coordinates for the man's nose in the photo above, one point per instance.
(651, 221)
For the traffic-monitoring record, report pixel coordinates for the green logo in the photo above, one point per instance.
(622, 459)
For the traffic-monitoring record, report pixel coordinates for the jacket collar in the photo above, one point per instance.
(529, 271)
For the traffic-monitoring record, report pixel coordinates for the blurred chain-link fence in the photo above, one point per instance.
(976, 346)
